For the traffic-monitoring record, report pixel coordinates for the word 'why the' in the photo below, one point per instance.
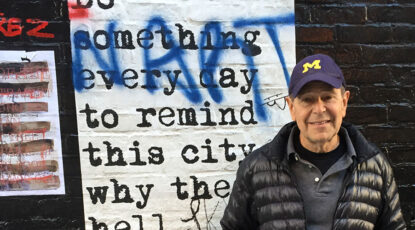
(122, 194)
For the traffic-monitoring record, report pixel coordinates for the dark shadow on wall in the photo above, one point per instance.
(373, 42)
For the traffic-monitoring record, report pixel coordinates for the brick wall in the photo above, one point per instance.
(373, 42)
(52, 211)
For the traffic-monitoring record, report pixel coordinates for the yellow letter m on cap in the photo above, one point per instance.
(314, 65)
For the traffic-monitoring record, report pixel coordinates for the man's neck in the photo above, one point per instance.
(320, 147)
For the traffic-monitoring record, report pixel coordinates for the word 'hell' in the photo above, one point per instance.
(124, 225)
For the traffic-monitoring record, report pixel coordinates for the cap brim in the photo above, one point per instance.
(336, 83)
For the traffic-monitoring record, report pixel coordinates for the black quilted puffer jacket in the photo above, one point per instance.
(265, 197)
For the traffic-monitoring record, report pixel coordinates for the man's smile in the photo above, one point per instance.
(318, 122)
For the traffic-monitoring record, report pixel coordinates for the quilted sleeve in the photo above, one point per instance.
(391, 216)
(238, 214)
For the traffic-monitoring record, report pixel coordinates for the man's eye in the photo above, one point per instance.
(307, 99)
(326, 98)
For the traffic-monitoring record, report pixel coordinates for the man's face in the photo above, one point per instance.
(318, 110)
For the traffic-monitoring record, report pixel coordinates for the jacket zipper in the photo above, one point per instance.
(345, 182)
(293, 179)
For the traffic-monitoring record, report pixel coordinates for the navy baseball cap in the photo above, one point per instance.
(318, 67)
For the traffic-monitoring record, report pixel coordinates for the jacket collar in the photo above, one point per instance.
(278, 146)
(343, 132)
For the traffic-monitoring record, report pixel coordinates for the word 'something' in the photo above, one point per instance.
(105, 43)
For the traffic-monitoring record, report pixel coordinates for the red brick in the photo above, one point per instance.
(392, 135)
(302, 14)
(328, 50)
(402, 113)
(403, 34)
(338, 14)
(301, 52)
(388, 54)
(355, 97)
(401, 153)
(307, 49)
(391, 14)
(365, 114)
(314, 34)
(406, 195)
(403, 75)
(348, 54)
(364, 34)
(404, 175)
(49, 9)
(367, 75)
(377, 94)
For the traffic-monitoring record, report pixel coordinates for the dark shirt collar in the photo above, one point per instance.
(292, 154)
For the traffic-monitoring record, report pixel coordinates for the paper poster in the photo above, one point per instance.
(30, 143)
(170, 97)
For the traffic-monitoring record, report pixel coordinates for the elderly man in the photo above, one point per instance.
(318, 172)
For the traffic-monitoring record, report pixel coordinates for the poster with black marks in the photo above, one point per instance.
(30, 140)
(170, 97)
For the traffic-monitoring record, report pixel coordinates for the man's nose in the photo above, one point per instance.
(319, 106)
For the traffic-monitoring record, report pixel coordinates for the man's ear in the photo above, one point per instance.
(345, 99)
(290, 103)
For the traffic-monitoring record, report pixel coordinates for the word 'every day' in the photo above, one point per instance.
(130, 79)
